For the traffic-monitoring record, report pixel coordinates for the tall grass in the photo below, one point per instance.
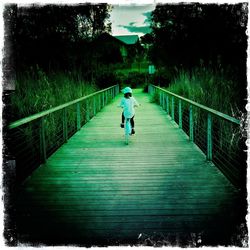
(212, 88)
(36, 91)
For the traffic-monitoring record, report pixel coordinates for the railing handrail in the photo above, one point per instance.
(209, 110)
(28, 119)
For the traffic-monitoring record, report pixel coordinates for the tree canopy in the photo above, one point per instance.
(189, 34)
(51, 35)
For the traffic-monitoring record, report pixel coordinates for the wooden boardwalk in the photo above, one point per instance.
(97, 190)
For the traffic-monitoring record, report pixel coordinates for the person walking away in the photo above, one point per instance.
(128, 103)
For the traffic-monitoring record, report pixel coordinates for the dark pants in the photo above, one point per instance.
(131, 120)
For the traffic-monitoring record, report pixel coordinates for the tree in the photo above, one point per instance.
(186, 34)
(49, 35)
(92, 21)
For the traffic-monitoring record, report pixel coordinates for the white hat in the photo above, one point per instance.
(127, 90)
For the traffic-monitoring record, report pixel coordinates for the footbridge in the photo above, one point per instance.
(178, 182)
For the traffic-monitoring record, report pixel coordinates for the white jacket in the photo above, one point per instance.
(128, 105)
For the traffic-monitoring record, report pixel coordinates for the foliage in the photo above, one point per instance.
(155, 98)
(186, 34)
(212, 88)
(106, 78)
(161, 77)
(36, 91)
(204, 46)
(135, 79)
(131, 78)
(66, 38)
(54, 36)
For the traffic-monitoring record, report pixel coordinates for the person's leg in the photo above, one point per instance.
(132, 125)
(123, 119)
(132, 122)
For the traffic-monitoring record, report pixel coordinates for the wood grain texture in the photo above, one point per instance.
(97, 190)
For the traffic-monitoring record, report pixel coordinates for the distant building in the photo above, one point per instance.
(117, 49)
(128, 39)
(125, 53)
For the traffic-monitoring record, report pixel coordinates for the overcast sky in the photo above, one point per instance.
(131, 19)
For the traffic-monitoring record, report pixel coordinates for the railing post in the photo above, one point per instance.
(167, 104)
(43, 141)
(180, 114)
(172, 108)
(163, 101)
(94, 105)
(191, 124)
(65, 125)
(209, 137)
(160, 99)
(116, 90)
(103, 103)
(151, 89)
(100, 101)
(78, 116)
(87, 112)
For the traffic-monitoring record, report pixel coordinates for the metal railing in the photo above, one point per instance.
(31, 140)
(218, 135)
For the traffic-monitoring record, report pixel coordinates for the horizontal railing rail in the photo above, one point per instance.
(217, 135)
(198, 105)
(31, 140)
(60, 107)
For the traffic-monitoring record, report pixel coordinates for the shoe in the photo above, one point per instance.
(132, 131)
(122, 125)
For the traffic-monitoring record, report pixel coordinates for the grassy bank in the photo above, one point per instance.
(36, 91)
(212, 88)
